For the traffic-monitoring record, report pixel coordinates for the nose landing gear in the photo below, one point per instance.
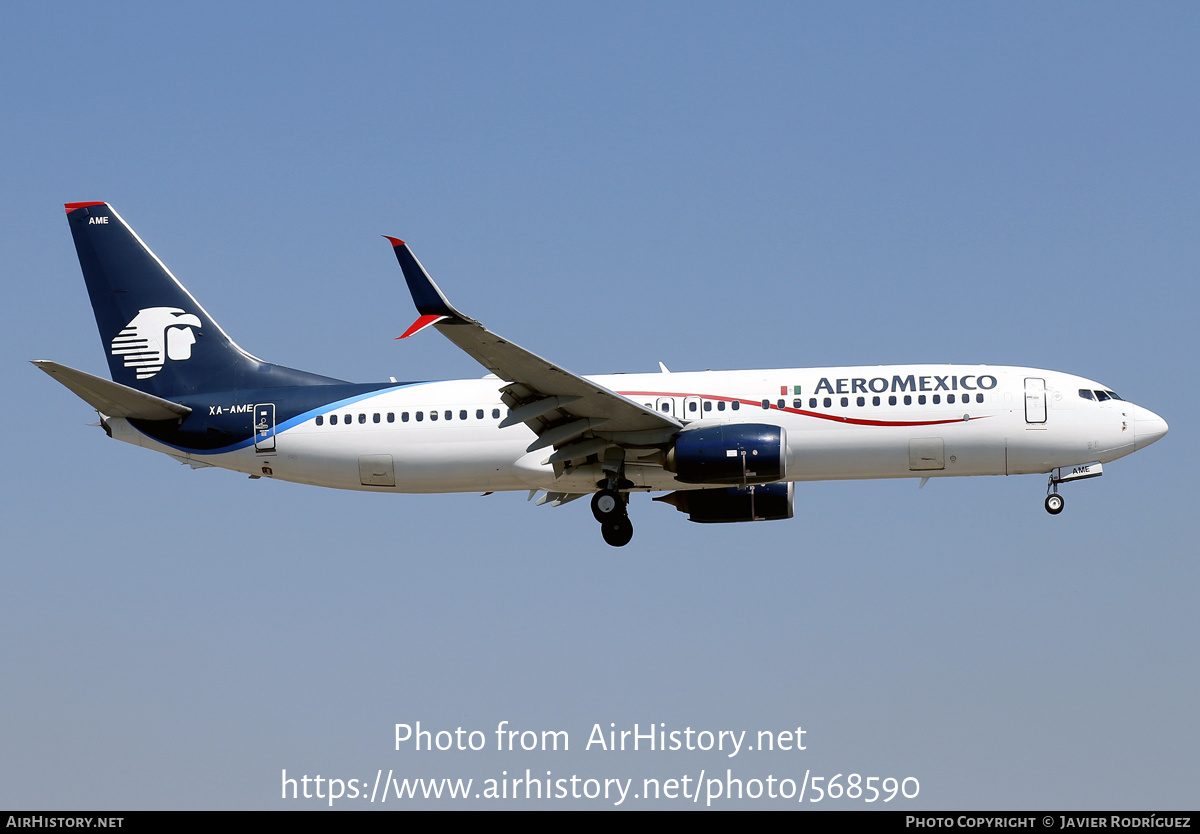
(1054, 501)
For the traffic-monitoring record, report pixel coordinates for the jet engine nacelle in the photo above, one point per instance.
(737, 453)
(762, 502)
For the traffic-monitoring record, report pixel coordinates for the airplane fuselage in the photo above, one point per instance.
(898, 421)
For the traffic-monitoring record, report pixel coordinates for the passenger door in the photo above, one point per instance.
(1035, 400)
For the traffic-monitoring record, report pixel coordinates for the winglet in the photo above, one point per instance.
(429, 300)
(420, 324)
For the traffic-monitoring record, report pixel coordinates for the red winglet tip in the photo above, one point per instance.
(70, 207)
(395, 241)
(420, 324)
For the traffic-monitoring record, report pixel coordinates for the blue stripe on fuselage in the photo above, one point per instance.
(293, 406)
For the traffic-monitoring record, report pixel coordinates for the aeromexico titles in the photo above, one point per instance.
(725, 446)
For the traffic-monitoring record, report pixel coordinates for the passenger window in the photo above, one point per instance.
(333, 419)
(479, 414)
(908, 399)
(766, 404)
(708, 405)
(797, 403)
(666, 408)
(375, 417)
(862, 401)
(735, 405)
(721, 405)
(874, 400)
(979, 398)
(347, 419)
(921, 400)
(845, 401)
(950, 399)
(391, 416)
(403, 416)
(937, 398)
(827, 402)
(362, 418)
(420, 416)
(462, 415)
(320, 420)
(691, 406)
(812, 402)
(495, 414)
(433, 415)
(781, 403)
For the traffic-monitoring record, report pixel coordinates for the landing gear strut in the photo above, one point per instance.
(1054, 501)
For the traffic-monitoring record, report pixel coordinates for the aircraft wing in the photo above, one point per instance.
(566, 411)
(112, 398)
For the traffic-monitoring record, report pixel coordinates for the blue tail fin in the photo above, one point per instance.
(158, 339)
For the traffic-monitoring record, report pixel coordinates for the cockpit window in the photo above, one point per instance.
(1101, 396)
(1086, 394)
(1113, 394)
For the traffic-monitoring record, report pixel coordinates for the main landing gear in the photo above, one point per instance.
(611, 509)
(610, 505)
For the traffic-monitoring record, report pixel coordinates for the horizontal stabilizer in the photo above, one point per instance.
(112, 398)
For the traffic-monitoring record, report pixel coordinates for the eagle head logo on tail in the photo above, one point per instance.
(155, 335)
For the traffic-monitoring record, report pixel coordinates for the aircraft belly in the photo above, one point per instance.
(455, 467)
(417, 464)
(423, 464)
(865, 452)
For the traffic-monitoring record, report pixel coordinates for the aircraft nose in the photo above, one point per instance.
(1147, 427)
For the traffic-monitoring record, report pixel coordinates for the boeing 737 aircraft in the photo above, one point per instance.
(725, 446)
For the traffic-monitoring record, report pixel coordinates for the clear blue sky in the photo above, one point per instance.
(609, 185)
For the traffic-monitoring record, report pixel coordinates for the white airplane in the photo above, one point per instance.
(726, 446)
